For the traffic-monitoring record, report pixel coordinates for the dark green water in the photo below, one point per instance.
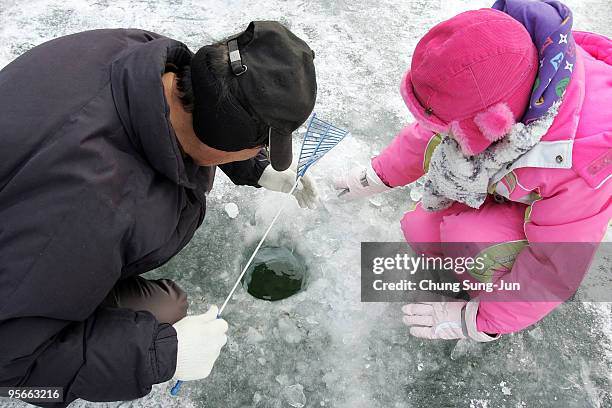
(276, 273)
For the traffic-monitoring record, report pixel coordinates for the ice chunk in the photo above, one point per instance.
(253, 336)
(375, 202)
(231, 209)
(536, 333)
(465, 348)
(505, 389)
(416, 190)
(460, 349)
(282, 379)
(294, 395)
(416, 194)
(288, 331)
(311, 320)
(330, 379)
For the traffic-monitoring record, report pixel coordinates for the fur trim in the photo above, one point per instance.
(454, 177)
(495, 122)
(459, 135)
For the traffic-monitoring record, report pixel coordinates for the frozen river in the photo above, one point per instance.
(323, 347)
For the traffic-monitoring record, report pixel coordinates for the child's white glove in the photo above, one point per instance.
(200, 339)
(282, 181)
(361, 181)
(444, 320)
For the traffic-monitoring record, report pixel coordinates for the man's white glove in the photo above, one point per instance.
(200, 339)
(359, 182)
(282, 181)
(444, 320)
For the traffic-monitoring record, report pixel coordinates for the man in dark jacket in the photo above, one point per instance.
(108, 145)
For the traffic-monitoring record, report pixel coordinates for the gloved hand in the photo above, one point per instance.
(282, 181)
(200, 339)
(361, 181)
(444, 320)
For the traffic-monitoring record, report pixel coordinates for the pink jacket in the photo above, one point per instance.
(564, 180)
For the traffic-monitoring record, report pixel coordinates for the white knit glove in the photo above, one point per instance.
(361, 181)
(200, 339)
(282, 181)
(444, 320)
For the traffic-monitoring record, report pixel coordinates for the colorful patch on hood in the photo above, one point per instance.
(549, 23)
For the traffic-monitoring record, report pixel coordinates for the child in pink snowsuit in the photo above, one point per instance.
(513, 138)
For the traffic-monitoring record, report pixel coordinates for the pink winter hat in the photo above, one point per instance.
(471, 77)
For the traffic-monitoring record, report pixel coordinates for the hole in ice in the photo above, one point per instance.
(276, 273)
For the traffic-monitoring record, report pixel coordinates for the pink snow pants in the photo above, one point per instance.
(493, 222)
(430, 232)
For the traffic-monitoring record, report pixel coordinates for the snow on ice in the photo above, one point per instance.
(319, 341)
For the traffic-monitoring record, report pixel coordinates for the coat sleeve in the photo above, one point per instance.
(246, 172)
(54, 330)
(114, 355)
(563, 231)
(406, 159)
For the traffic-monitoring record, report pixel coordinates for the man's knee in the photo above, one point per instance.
(177, 303)
(163, 298)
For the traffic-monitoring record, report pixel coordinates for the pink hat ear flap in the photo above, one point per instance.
(460, 136)
(495, 122)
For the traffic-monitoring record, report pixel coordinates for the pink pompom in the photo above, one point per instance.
(495, 122)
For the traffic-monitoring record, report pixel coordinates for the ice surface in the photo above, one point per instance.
(342, 352)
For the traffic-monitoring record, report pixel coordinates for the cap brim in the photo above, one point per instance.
(418, 111)
(280, 149)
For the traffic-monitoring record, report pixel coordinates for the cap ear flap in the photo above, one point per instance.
(457, 133)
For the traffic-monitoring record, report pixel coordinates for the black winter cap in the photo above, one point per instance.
(277, 91)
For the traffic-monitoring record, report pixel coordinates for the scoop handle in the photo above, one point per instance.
(177, 387)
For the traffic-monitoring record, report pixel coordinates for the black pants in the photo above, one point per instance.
(163, 298)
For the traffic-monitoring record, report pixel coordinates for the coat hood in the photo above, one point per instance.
(139, 97)
(598, 46)
(549, 22)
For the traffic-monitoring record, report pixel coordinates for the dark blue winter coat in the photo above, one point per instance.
(93, 189)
